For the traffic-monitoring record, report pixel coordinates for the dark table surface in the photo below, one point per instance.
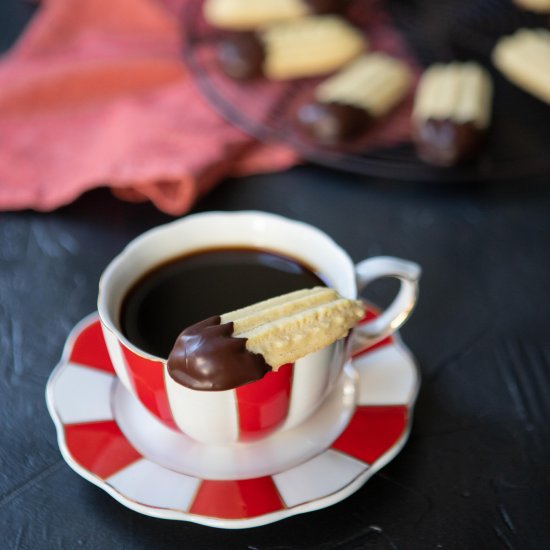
(475, 472)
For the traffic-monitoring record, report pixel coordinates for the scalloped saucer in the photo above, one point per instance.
(110, 439)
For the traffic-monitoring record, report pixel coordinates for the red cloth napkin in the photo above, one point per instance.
(96, 93)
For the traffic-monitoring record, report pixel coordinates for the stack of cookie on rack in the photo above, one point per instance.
(292, 39)
(284, 40)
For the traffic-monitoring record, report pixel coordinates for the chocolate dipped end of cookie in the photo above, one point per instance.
(446, 142)
(207, 357)
(327, 6)
(332, 123)
(349, 102)
(239, 347)
(241, 55)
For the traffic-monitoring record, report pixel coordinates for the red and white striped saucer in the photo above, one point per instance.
(110, 439)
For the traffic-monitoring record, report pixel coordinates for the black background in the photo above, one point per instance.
(476, 470)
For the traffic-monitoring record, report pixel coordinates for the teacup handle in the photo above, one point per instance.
(396, 313)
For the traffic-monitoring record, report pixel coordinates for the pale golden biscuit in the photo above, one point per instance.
(451, 113)
(524, 58)
(374, 82)
(347, 103)
(540, 6)
(460, 92)
(309, 46)
(269, 310)
(291, 326)
(250, 14)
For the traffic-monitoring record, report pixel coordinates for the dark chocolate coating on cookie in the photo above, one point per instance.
(327, 6)
(332, 123)
(207, 357)
(241, 55)
(445, 142)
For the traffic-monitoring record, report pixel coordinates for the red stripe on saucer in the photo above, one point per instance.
(239, 499)
(372, 431)
(100, 447)
(372, 313)
(89, 349)
(147, 377)
(263, 405)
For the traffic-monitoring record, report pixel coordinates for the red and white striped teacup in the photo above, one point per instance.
(281, 399)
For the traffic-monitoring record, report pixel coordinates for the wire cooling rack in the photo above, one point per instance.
(420, 32)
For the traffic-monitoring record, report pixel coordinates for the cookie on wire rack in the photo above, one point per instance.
(524, 58)
(246, 15)
(306, 47)
(539, 6)
(452, 111)
(347, 103)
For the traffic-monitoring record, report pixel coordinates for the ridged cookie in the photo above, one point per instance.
(452, 110)
(294, 325)
(304, 47)
(540, 6)
(524, 58)
(310, 46)
(252, 316)
(246, 15)
(347, 102)
(242, 346)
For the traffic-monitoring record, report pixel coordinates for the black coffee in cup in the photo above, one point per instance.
(208, 282)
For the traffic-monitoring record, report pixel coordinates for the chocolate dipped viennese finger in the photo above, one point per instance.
(347, 102)
(451, 112)
(246, 15)
(235, 348)
(524, 58)
(304, 47)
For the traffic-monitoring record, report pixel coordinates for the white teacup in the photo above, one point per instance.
(281, 399)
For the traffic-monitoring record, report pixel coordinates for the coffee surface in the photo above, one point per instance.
(206, 283)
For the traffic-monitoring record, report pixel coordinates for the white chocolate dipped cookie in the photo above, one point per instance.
(452, 111)
(346, 103)
(524, 58)
(300, 48)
